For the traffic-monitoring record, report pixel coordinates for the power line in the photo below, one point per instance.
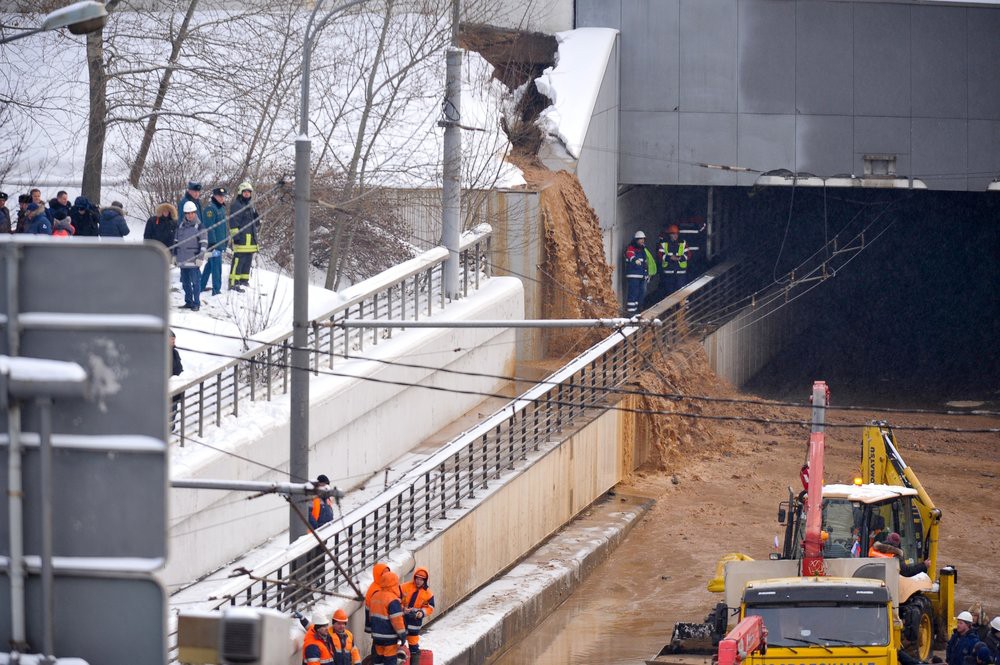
(513, 378)
(596, 404)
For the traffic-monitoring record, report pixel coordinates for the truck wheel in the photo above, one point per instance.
(920, 628)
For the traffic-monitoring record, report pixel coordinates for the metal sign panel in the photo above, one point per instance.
(102, 305)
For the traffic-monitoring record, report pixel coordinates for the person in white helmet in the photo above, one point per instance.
(190, 245)
(640, 265)
(992, 638)
(963, 640)
(317, 646)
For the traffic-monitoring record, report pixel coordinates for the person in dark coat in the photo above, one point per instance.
(176, 367)
(5, 225)
(84, 217)
(190, 244)
(162, 225)
(243, 227)
(193, 194)
(214, 215)
(112, 224)
(38, 222)
(59, 204)
(962, 641)
(23, 201)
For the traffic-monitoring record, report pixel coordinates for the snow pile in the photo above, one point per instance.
(574, 83)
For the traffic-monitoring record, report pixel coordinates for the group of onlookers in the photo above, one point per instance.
(60, 218)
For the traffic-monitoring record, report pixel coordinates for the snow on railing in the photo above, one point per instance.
(409, 291)
(463, 470)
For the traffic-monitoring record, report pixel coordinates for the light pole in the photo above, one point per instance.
(298, 452)
(80, 18)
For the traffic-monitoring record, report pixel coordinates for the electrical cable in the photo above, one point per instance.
(595, 404)
(512, 378)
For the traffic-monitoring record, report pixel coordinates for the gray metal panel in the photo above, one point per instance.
(597, 167)
(984, 153)
(708, 56)
(649, 149)
(649, 57)
(889, 136)
(598, 14)
(881, 59)
(823, 144)
(766, 142)
(767, 56)
(984, 56)
(940, 62)
(111, 620)
(824, 71)
(710, 138)
(940, 152)
(105, 504)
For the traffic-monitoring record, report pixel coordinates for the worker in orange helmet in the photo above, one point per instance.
(344, 651)
(386, 617)
(418, 603)
(674, 255)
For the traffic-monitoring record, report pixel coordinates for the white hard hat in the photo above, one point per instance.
(995, 624)
(190, 207)
(640, 234)
(966, 617)
(320, 616)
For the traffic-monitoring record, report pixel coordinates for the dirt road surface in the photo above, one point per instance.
(717, 486)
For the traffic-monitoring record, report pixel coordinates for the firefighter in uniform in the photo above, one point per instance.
(344, 651)
(388, 628)
(639, 267)
(317, 647)
(674, 256)
(418, 603)
(243, 227)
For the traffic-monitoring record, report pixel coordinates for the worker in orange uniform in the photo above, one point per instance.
(344, 651)
(377, 571)
(317, 647)
(388, 627)
(418, 603)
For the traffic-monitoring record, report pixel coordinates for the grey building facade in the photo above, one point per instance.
(810, 86)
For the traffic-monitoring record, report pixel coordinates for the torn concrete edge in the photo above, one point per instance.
(506, 610)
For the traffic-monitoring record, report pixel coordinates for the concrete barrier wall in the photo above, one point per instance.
(516, 517)
(742, 347)
(357, 427)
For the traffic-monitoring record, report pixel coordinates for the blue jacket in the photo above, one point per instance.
(38, 223)
(215, 223)
(960, 647)
(113, 224)
(197, 202)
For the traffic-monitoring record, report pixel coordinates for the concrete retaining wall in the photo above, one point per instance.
(357, 427)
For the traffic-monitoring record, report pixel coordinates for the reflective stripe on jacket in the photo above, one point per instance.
(317, 647)
(676, 248)
(344, 652)
(416, 599)
(387, 618)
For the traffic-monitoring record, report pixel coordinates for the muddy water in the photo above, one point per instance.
(622, 613)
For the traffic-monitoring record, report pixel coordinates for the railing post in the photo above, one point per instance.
(218, 400)
(236, 389)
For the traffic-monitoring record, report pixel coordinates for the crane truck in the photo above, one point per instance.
(822, 599)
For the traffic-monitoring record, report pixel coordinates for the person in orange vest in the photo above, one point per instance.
(317, 647)
(344, 651)
(892, 548)
(388, 627)
(377, 571)
(418, 603)
(322, 509)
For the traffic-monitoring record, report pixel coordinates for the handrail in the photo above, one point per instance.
(407, 291)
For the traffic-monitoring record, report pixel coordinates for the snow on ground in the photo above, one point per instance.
(574, 83)
(262, 312)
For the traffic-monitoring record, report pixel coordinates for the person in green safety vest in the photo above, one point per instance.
(640, 265)
(674, 256)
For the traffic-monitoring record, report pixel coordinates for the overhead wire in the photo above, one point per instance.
(513, 378)
(585, 405)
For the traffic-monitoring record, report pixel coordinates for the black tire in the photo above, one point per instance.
(918, 627)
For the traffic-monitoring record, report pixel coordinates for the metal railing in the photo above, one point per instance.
(470, 463)
(409, 291)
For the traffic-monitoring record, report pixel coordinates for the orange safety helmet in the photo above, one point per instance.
(340, 616)
(673, 228)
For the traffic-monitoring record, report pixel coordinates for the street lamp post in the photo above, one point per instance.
(298, 453)
(80, 18)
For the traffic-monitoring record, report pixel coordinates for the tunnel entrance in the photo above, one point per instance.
(911, 318)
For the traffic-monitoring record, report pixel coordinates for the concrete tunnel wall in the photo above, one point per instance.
(357, 428)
